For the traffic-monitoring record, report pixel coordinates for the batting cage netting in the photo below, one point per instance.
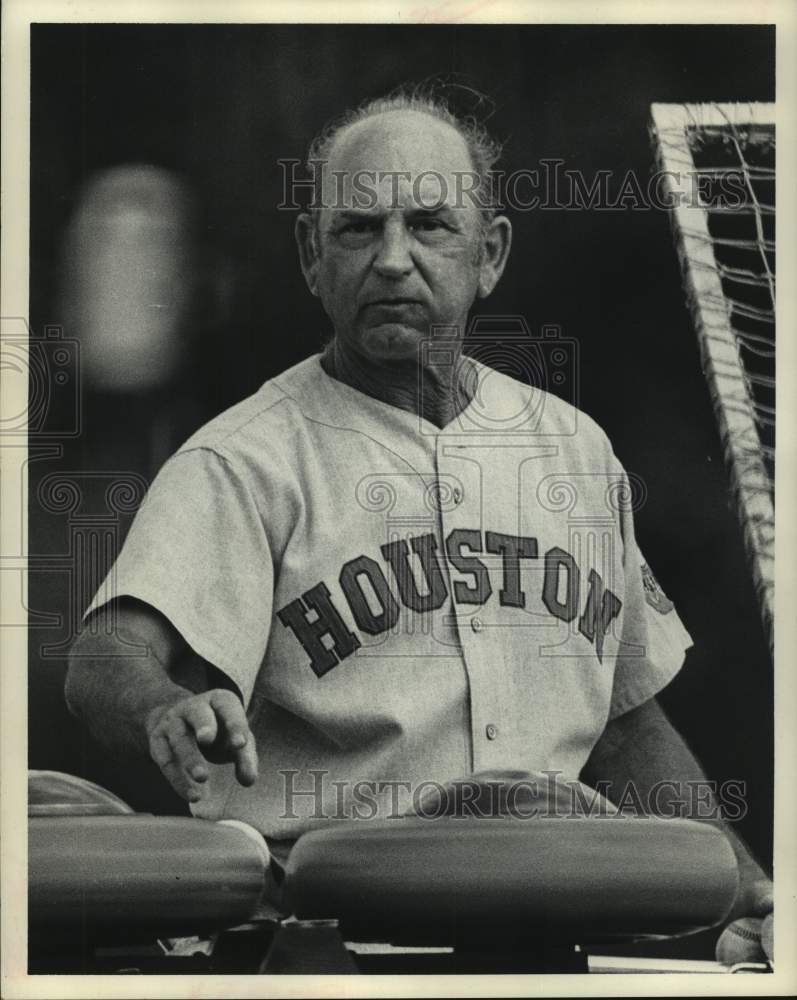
(718, 172)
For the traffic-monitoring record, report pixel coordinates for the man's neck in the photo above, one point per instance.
(436, 393)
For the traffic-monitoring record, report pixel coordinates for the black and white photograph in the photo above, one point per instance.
(389, 476)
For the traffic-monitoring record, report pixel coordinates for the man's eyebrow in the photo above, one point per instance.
(429, 210)
(347, 214)
(444, 212)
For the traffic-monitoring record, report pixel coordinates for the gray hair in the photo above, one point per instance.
(425, 98)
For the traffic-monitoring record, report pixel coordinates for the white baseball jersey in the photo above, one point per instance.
(398, 603)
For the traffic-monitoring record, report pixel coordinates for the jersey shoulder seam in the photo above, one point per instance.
(219, 441)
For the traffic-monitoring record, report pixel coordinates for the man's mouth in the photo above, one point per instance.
(401, 311)
(399, 301)
(398, 310)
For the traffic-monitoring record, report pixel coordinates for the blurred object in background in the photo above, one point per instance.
(130, 276)
(135, 276)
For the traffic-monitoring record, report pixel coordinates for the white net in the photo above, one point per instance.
(719, 164)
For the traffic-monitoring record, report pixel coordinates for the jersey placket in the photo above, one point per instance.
(462, 479)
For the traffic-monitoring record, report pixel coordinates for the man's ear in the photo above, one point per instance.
(306, 233)
(496, 243)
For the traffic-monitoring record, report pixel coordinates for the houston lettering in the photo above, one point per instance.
(327, 639)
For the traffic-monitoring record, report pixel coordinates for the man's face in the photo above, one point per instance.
(405, 253)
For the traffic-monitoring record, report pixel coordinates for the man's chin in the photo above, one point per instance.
(393, 342)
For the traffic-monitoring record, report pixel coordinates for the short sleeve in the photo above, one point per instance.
(197, 551)
(653, 641)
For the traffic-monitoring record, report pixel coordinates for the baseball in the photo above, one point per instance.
(741, 941)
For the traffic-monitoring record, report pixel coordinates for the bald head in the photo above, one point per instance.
(396, 158)
(389, 136)
(431, 102)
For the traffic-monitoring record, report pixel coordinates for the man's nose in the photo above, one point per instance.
(394, 259)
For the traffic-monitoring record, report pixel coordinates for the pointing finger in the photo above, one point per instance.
(246, 763)
(233, 717)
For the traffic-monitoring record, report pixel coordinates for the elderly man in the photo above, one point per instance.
(362, 577)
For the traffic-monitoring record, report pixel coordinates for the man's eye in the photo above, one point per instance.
(428, 225)
(364, 226)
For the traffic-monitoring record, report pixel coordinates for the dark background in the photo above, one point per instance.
(220, 104)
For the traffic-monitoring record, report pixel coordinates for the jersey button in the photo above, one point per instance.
(456, 493)
(476, 624)
(491, 731)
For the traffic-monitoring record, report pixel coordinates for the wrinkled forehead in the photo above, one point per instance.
(398, 159)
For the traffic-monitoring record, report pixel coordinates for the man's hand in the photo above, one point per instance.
(754, 899)
(191, 731)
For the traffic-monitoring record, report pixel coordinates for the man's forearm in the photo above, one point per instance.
(642, 750)
(114, 692)
(163, 701)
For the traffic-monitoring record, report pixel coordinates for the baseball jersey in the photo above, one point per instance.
(398, 603)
